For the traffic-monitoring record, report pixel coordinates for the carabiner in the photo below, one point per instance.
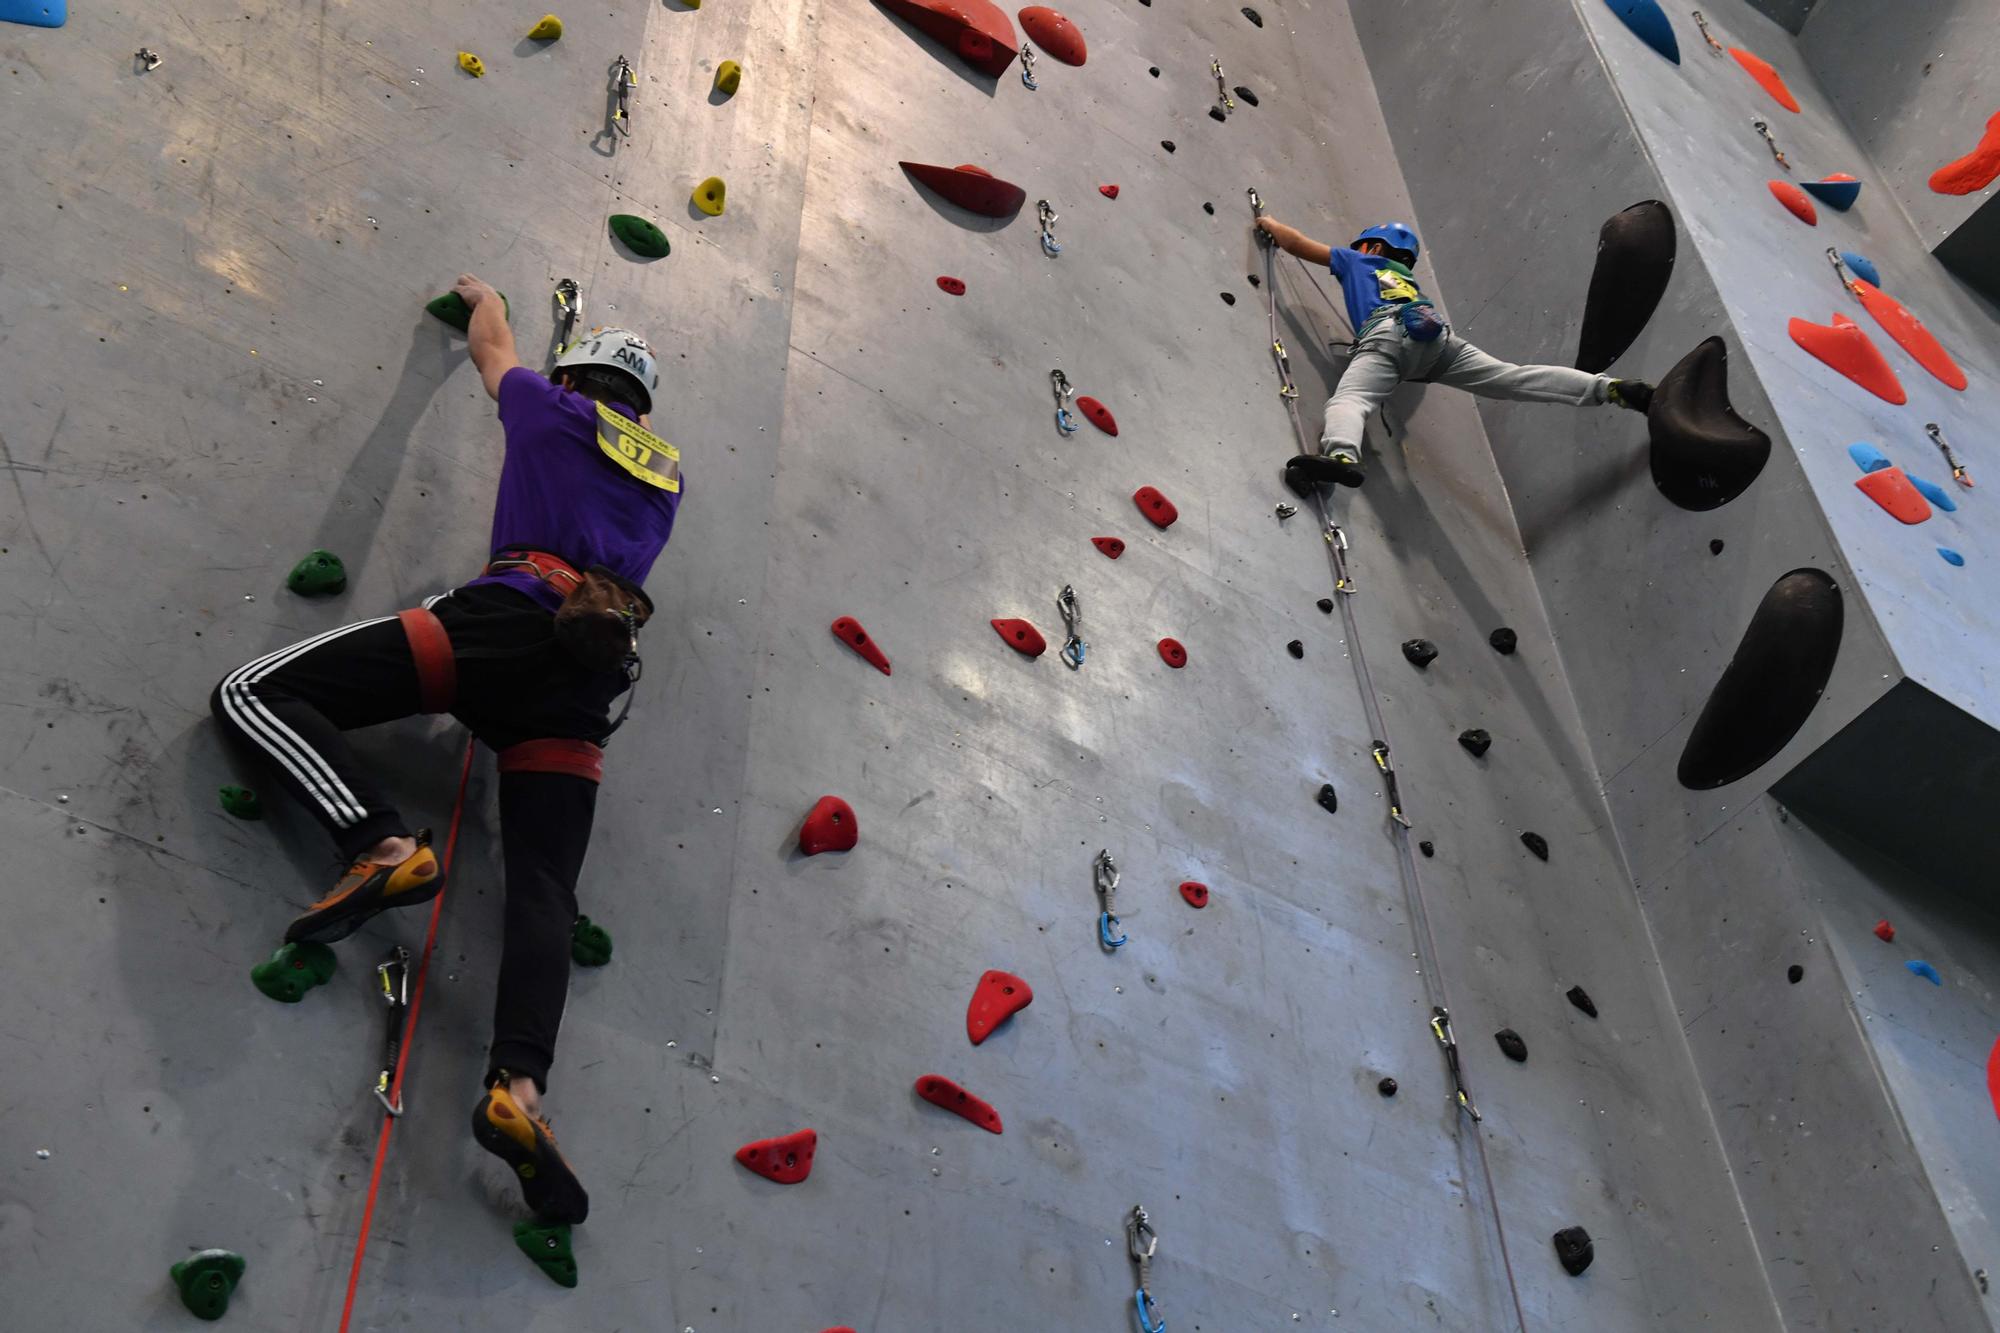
(1106, 923)
(1028, 67)
(1064, 421)
(1046, 215)
(1148, 1308)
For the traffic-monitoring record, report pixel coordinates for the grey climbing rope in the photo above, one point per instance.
(1144, 1242)
(1073, 647)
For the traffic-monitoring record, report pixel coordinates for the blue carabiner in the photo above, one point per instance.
(1146, 1308)
(1065, 422)
(1106, 923)
(1073, 652)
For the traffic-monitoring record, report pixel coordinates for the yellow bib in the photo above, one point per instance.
(639, 451)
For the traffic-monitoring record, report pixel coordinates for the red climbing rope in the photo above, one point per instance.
(409, 1033)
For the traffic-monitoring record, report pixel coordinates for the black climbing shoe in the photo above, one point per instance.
(528, 1146)
(367, 888)
(1632, 395)
(1339, 468)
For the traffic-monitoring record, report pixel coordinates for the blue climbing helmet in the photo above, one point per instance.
(1396, 236)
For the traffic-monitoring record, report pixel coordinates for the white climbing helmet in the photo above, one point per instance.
(615, 349)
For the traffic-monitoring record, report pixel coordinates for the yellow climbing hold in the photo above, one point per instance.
(471, 64)
(711, 195)
(547, 30)
(727, 76)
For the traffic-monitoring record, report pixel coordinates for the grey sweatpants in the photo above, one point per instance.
(1386, 356)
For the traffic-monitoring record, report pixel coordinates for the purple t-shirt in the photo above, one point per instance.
(560, 494)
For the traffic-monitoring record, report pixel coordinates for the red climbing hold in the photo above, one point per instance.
(848, 630)
(1795, 199)
(1993, 1075)
(1111, 546)
(1172, 653)
(1022, 637)
(997, 998)
(1054, 34)
(830, 827)
(1108, 191)
(1155, 506)
(1100, 415)
(1195, 893)
(1909, 333)
(956, 286)
(972, 188)
(1884, 931)
(1767, 78)
(787, 1160)
(978, 30)
(941, 1091)
(1977, 169)
(1892, 490)
(1851, 352)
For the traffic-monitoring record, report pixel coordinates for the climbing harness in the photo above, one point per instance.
(1064, 392)
(1764, 128)
(1073, 647)
(392, 974)
(1221, 86)
(1714, 47)
(1381, 752)
(569, 305)
(1104, 874)
(623, 81)
(147, 57)
(1958, 472)
(1046, 215)
(1284, 511)
(1143, 1241)
(1028, 67)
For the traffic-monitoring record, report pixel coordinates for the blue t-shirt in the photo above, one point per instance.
(1370, 282)
(561, 494)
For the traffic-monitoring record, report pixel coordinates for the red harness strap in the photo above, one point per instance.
(437, 669)
(579, 759)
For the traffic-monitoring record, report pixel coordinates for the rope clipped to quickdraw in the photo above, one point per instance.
(1381, 753)
(1064, 392)
(1104, 874)
(1143, 1242)
(1073, 647)
(569, 306)
(623, 81)
(392, 974)
(1441, 1029)
(1028, 67)
(1045, 216)
(1228, 103)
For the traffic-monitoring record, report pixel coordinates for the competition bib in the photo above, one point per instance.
(639, 451)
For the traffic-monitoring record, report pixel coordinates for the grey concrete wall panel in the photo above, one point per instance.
(1915, 83)
(1972, 251)
(1791, 15)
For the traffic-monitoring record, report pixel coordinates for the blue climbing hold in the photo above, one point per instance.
(35, 13)
(1867, 457)
(1862, 267)
(1951, 557)
(1836, 192)
(1920, 968)
(1936, 494)
(1648, 23)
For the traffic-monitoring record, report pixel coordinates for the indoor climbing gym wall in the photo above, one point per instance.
(1055, 874)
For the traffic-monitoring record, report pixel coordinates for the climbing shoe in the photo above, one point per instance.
(367, 888)
(1632, 395)
(528, 1146)
(1341, 468)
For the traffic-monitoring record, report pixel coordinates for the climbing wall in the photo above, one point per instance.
(220, 362)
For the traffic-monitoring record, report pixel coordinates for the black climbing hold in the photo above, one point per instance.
(1228, 299)
(1154, 71)
(589, 943)
(1253, 16)
(1703, 454)
(1387, 1087)
(1217, 113)
(1635, 257)
(1537, 844)
(1328, 801)
(1511, 1045)
(1795, 974)
(1573, 1250)
(1325, 604)
(1476, 740)
(206, 1280)
(549, 1248)
(319, 574)
(1244, 95)
(1770, 686)
(1254, 280)
(1298, 483)
(1206, 207)
(1427, 849)
(1715, 546)
(1295, 648)
(1503, 641)
(640, 236)
(293, 970)
(1168, 144)
(1420, 652)
(1580, 997)
(241, 802)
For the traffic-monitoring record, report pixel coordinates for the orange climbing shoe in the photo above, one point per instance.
(369, 887)
(528, 1146)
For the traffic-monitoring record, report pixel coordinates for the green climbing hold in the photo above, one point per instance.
(549, 1248)
(640, 236)
(318, 575)
(241, 802)
(452, 309)
(207, 1280)
(589, 943)
(293, 970)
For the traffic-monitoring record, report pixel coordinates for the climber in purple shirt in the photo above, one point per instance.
(530, 657)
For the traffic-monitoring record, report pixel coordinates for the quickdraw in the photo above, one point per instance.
(1763, 127)
(1714, 47)
(1028, 67)
(1073, 647)
(1221, 86)
(623, 81)
(1104, 876)
(1381, 752)
(1958, 472)
(392, 974)
(1064, 392)
(1144, 1242)
(1441, 1029)
(569, 306)
(1045, 215)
